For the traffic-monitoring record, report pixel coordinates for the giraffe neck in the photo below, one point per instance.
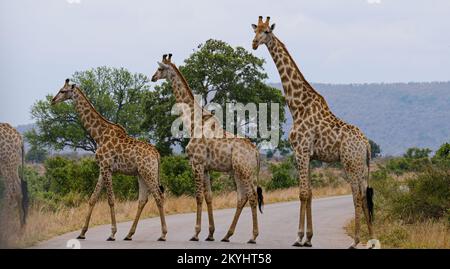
(298, 92)
(183, 94)
(94, 123)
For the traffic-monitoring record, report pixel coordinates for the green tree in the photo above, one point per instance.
(36, 154)
(417, 153)
(375, 150)
(443, 152)
(220, 74)
(116, 93)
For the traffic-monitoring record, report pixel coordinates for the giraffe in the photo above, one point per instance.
(11, 157)
(317, 134)
(224, 153)
(117, 152)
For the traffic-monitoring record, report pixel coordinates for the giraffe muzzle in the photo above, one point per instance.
(255, 45)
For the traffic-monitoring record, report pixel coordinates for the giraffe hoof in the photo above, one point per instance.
(225, 240)
(162, 239)
(307, 244)
(352, 247)
(251, 241)
(194, 239)
(111, 239)
(297, 244)
(209, 238)
(81, 237)
(128, 238)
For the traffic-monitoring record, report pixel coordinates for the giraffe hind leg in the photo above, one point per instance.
(142, 201)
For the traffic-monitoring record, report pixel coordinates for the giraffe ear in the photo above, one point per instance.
(272, 27)
(254, 26)
(162, 65)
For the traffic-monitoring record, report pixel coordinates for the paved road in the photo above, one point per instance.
(278, 229)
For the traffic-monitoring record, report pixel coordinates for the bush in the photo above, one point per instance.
(427, 196)
(283, 175)
(176, 175)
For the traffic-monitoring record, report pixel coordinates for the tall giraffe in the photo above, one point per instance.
(317, 134)
(213, 152)
(117, 152)
(11, 157)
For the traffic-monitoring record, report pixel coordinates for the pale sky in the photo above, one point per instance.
(353, 41)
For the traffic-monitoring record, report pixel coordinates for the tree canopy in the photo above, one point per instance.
(115, 93)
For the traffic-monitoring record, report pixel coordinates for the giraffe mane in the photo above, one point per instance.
(183, 80)
(298, 70)
(97, 113)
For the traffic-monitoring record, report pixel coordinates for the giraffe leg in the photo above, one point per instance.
(366, 215)
(158, 195)
(242, 200)
(302, 159)
(253, 204)
(199, 173)
(92, 201)
(110, 193)
(208, 200)
(143, 198)
(309, 228)
(357, 204)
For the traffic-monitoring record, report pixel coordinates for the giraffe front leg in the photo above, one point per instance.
(199, 173)
(92, 201)
(208, 200)
(110, 193)
(302, 159)
(309, 228)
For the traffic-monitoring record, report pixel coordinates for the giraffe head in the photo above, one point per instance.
(263, 32)
(165, 68)
(65, 93)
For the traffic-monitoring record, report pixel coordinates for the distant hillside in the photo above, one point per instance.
(395, 115)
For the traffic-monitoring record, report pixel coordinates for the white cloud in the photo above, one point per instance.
(371, 2)
(73, 1)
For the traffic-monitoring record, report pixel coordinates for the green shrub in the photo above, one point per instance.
(283, 175)
(427, 196)
(176, 175)
(221, 183)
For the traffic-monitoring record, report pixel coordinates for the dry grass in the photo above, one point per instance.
(430, 234)
(44, 224)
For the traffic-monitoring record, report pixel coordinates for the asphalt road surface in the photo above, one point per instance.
(278, 229)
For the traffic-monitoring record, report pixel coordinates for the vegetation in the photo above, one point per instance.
(413, 192)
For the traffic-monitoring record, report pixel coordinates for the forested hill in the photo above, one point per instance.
(395, 115)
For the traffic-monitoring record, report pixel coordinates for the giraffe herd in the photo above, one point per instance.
(316, 134)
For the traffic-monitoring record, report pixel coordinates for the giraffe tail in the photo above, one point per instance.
(161, 187)
(369, 190)
(24, 188)
(259, 191)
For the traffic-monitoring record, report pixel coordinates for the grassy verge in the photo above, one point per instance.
(430, 234)
(44, 224)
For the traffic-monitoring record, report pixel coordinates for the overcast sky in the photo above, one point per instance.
(43, 42)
